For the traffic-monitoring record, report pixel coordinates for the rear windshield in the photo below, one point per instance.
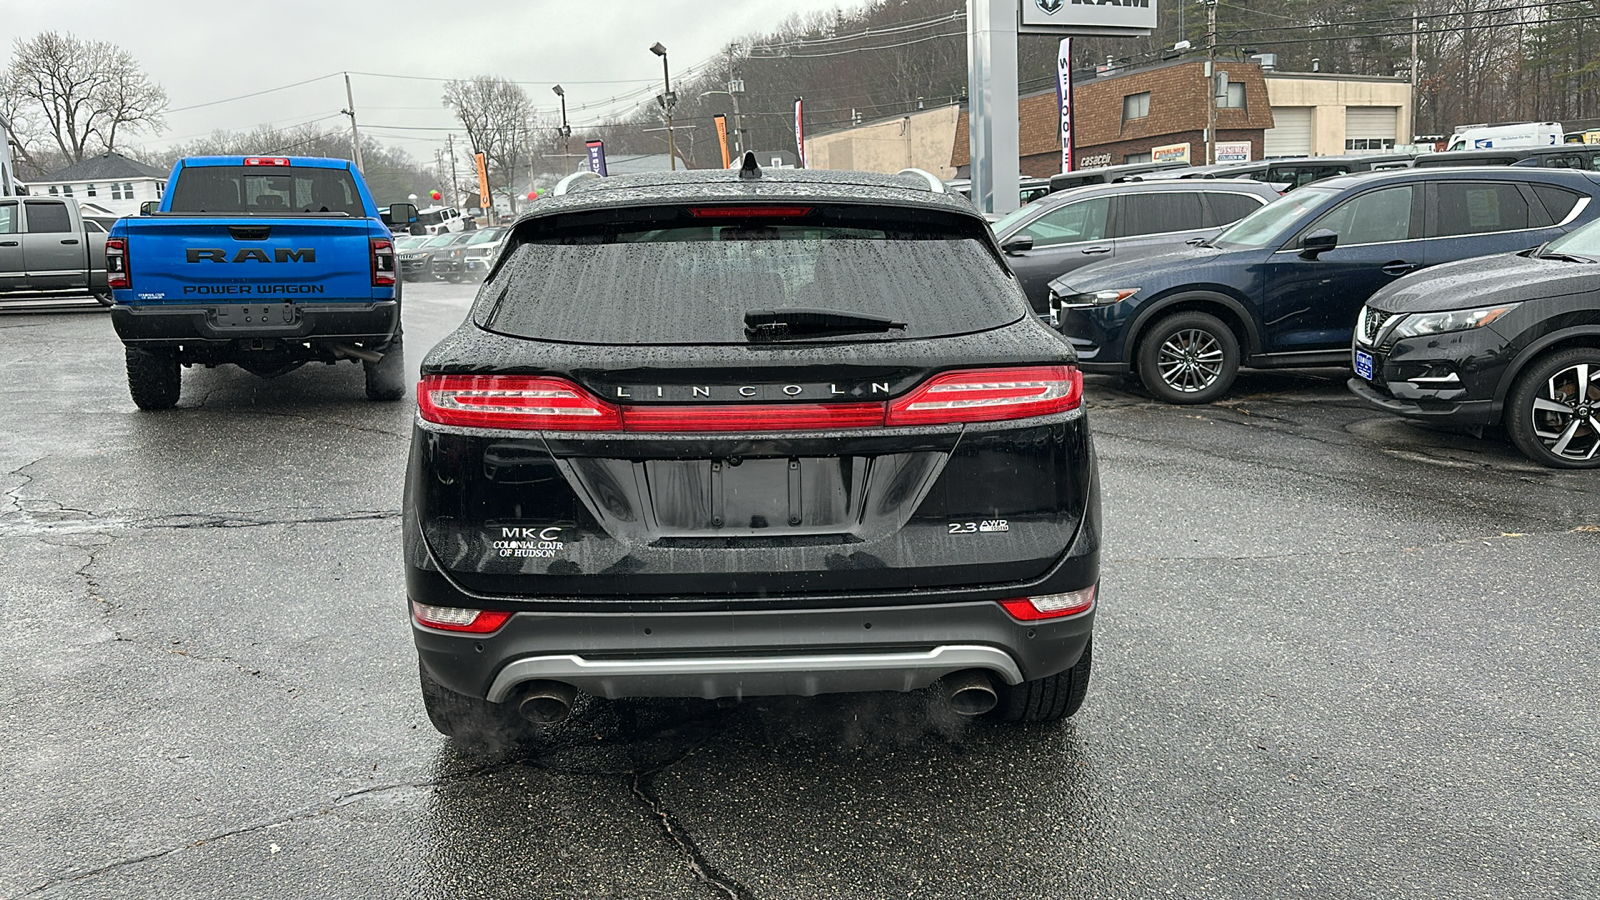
(265, 191)
(694, 283)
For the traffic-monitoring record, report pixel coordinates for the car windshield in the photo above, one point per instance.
(406, 243)
(1272, 222)
(486, 236)
(1583, 242)
(440, 241)
(1010, 219)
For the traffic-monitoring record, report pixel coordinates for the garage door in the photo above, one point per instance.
(1370, 127)
(1291, 132)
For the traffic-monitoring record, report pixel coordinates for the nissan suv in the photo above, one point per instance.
(736, 433)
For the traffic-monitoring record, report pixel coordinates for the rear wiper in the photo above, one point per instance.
(799, 322)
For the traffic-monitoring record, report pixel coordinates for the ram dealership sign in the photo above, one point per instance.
(1094, 16)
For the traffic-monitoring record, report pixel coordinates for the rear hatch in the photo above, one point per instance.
(750, 401)
(243, 234)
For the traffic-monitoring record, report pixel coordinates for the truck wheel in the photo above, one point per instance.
(468, 719)
(1553, 411)
(1048, 699)
(1188, 357)
(386, 378)
(154, 378)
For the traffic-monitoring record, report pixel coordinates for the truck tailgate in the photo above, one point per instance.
(177, 260)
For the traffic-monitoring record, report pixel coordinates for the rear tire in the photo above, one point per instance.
(154, 378)
(1188, 357)
(468, 719)
(1548, 409)
(386, 378)
(1049, 699)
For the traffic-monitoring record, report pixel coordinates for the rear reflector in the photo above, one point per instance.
(1050, 606)
(541, 403)
(748, 212)
(117, 264)
(266, 161)
(988, 395)
(450, 618)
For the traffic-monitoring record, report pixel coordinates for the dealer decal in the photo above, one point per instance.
(529, 543)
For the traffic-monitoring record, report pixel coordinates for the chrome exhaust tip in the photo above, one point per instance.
(546, 702)
(970, 692)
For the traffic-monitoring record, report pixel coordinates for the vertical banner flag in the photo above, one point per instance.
(597, 157)
(800, 129)
(1064, 100)
(722, 137)
(483, 181)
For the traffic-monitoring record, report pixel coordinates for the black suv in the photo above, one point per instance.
(1511, 340)
(732, 433)
(1282, 286)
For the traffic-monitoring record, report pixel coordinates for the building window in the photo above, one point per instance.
(53, 191)
(1369, 144)
(159, 188)
(1235, 98)
(116, 190)
(1135, 106)
(127, 190)
(89, 190)
(1137, 158)
(66, 189)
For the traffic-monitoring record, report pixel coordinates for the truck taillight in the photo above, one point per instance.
(266, 161)
(117, 264)
(382, 262)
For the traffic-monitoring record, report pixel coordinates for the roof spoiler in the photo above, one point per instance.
(934, 184)
(565, 185)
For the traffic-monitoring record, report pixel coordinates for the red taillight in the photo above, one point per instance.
(266, 161)
(450, 618)
(514, 401)
(1050, 606)
(989, 395)
(748, 212)
(763, 417)
(117, 264)
(382, 262)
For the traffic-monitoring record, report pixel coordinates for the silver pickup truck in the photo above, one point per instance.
(48, 256)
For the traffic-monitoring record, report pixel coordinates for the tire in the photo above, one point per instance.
(386, 378)
(468, 719)
(1188, 357)
(154, 378)
(1049, 699)
(1553, 412)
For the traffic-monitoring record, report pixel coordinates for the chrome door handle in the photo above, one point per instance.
(1091, 251)
(1399, 267)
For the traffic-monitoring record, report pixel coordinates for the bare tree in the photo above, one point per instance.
(498, 117)
(80, 93)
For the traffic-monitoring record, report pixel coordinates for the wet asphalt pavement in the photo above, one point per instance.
(1337, 656)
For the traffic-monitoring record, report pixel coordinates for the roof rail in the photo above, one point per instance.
(934, 184)
(565, 185)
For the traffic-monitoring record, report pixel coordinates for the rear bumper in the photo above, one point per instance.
(752, 653)
(367, 322)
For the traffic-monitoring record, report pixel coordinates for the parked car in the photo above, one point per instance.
(1070, 229)
(1109, 174)
(49, 255)
(1499, 137)
(1507, 339)
(1298, 171)
(440, 219)
(417, 262)
(1561, 156)
(448, 261)
(727, 434)
(483, 250)
(1282, 286)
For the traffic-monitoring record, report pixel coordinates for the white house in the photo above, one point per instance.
(110, 180)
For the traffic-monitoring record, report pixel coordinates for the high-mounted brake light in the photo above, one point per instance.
(450, 618)
(266, 161)
(756, 417)
(117, 275)
(748, 212)
(382, 262)
(1050, 606)
(990, 395)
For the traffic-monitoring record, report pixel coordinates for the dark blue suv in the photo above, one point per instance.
(1283, 286)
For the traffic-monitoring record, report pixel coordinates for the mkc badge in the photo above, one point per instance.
(1050, 7)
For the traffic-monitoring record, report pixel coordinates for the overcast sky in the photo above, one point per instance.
(203, 51)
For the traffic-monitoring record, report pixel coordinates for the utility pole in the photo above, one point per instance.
(1211, 88)
(355, 136)
(735, 88)
(1412, 112)
(566, 131)
(455, 190)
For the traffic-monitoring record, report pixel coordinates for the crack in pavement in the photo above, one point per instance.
(642, 788)
(93, 524)
(13, 496)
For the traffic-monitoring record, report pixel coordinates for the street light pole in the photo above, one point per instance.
(667, 100)
(566, 130)
(1211, 89)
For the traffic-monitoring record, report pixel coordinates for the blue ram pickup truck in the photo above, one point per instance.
(266, 262)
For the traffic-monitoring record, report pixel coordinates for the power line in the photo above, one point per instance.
(921, 40)
(282, 87)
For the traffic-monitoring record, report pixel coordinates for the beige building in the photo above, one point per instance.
(920, 140)
(1324, 114)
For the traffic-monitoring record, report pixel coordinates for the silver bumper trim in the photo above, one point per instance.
(754, 676)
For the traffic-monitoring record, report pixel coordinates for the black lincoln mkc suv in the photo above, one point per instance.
(741, 433)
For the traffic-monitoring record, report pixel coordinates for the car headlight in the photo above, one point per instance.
(1095, 298)
(1421, 324)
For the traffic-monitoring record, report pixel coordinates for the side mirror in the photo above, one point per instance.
(148, 207)
(402, 213)
(1017, 244)
(1320, 241)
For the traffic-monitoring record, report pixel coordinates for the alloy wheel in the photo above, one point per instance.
(1566, 412)
(1190, 360)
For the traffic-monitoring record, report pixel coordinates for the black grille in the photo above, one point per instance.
(1371, 323)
